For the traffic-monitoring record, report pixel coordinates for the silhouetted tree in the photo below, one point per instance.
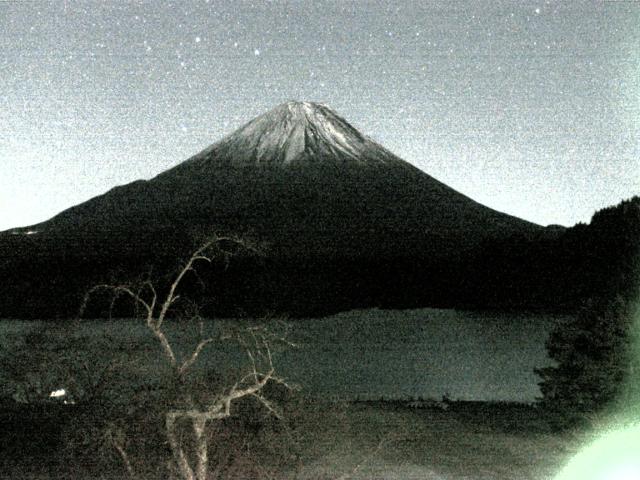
(592, 351)
(193, 403)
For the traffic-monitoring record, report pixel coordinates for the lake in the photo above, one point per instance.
(364, 354)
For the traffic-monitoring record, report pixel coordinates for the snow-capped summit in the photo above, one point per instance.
(297, 133)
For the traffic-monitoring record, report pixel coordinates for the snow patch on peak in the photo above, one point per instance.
(297, 133)
(295, 144)
(307, 107)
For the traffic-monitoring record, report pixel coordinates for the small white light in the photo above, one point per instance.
(58, 393)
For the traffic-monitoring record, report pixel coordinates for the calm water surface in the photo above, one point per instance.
(369, 353)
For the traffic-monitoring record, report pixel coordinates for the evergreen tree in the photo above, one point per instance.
(592, 351)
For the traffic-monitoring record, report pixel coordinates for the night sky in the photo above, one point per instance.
(532, 108)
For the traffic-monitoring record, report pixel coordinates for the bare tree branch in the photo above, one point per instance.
(116, 438)
(268, 405)
(194, 355)
(164, 343)
(381, 444)
(198, 255)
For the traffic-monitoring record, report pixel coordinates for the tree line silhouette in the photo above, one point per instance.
(556, 270)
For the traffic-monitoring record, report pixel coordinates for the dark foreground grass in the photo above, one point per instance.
(315, 440)
(472, 440)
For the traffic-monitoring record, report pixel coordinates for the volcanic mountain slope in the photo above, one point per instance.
(346, 223)
(300, 178)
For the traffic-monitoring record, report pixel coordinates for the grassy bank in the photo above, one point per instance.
(314, 440)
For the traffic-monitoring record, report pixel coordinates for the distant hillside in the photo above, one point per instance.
(559, 271)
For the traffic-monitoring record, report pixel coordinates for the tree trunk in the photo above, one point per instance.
(181, 459)
(199, 428)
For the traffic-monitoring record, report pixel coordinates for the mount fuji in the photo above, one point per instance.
(339, 214)
(295, 174)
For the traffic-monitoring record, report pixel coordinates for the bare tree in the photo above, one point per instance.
(195, 415)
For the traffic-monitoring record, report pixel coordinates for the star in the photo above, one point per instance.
(343, 55)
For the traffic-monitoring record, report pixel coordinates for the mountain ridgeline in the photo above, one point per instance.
(344, 223)
(302, 179)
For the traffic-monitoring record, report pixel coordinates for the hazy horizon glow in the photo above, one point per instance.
(532, 109)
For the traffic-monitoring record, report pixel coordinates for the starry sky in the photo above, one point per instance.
(532, 108)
